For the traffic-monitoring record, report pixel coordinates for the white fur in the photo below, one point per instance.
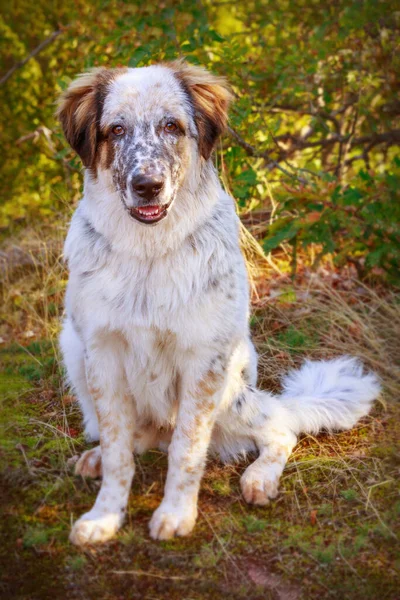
(156, 342)
(332, 394)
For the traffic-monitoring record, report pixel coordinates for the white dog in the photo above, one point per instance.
(156, 340)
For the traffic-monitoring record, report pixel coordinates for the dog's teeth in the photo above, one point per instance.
(146, 213)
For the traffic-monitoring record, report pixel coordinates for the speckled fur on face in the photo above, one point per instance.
(143, 106)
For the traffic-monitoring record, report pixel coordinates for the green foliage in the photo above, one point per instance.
(360, 221)
(36, 537)
(254, 524)
(315, 87)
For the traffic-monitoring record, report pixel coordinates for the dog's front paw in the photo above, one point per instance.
(93, 528)
(168, 521)
(258, 486)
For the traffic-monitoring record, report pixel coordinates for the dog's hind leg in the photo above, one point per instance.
(257, 421)
(74, 361)
(260, 481)
(331, 395)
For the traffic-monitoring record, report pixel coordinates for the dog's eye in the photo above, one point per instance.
(170, 127)
(118, 130)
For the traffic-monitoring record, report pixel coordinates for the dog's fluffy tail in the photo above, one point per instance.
(331, 394)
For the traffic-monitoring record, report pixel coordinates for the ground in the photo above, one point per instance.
(331, 533)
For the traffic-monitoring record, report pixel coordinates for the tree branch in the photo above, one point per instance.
(387, 137)
(34, 52)
(252, 151)
(297, 143)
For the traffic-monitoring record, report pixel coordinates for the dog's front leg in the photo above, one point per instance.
(116, 415)
(187, 452)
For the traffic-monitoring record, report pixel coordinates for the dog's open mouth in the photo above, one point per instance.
(149, 214)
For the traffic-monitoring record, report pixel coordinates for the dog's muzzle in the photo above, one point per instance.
(146, 189)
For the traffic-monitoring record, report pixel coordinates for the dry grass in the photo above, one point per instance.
(330, 534)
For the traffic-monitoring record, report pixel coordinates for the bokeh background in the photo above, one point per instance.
(315, 121)
(312, 158)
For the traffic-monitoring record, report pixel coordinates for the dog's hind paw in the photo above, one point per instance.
(259, 487)
(89, 464)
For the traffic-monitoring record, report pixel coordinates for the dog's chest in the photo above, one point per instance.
(170, 294)
(166, 311)
(153, 362)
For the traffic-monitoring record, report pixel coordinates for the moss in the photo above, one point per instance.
(222, 488)
(252, 524)
(76, 563)
(128, 536)
(296, 340)
(351, 548)
(325, 509)
(208, 557)
(11, 386)
(32, 364)
(350, 495)
(37, 536)
(385, 452)
(324, 555)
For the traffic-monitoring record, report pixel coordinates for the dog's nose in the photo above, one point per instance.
(147, 187)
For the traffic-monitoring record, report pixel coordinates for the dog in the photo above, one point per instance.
(156, 339)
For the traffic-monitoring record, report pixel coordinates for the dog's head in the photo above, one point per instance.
(139, 130)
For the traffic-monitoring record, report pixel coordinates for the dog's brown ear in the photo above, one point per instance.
(79, 111)
(210, 96)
